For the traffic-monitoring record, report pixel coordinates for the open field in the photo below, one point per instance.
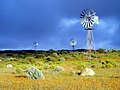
(105, 65)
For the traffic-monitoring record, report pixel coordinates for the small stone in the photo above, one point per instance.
(72, 72)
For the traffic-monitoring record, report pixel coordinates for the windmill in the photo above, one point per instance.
(35, 44)
(73, 42)
(88, 18)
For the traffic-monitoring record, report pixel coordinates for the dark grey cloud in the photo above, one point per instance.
(53, 23)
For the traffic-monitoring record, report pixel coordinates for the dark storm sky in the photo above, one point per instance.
(52, 23)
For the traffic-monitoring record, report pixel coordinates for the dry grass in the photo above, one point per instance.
(70, 83)
(105, 79)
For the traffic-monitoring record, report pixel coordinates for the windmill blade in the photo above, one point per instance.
(84, 24)
(81, 20)
(82, 16)
(83, 12)
(89, 25)
(88, 18)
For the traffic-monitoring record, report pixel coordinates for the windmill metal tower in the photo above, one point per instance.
(73, 42)
(88, 18)
(35, 44)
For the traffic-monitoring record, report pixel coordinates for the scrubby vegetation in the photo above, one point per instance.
(34, 73)
(61, 70)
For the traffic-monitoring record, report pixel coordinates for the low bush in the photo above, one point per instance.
(81, 65)
(58, 69)
(54, 54)
(19, 71)
(39, 63)
(109, 63)
(31, 60)
(112, 62)
(101, 50)
(50, 59)
(40, 56)
(62, 59)
(34, 73)
(46, 66)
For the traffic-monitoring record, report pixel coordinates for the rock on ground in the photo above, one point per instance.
(87, 72)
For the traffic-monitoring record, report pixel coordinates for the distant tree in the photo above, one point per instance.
(101, 50)
(51, 51)
(112, 50)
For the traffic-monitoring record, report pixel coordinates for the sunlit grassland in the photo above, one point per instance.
(63, 81)
(106, 78)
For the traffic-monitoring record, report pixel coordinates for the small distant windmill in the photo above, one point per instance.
(88, 18)
(35, 44)
(73, 42)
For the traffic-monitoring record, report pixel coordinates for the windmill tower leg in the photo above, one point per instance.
(73, 47)
(93, 44)
(89, 43)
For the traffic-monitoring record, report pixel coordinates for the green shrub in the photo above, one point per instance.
(92, 63)
(54, 55)
(112, 62)
(13, 59)
(19, 71)
(50, 59)
(39, 63)
(31, 60)
(34, 73)
(40, 56)
(46, 66)
(52, 66)
(109, 65)
(81, 65)
(51, 51)
(101, 50)
(58, 69)
(2, 65)
(93, 56)
(62, 59)
(60, 62)
(63, 52)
